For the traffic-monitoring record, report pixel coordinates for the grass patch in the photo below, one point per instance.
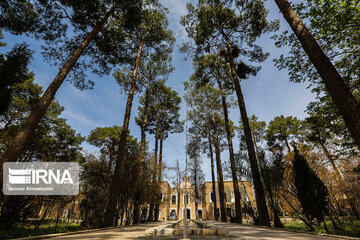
(347, 228)
(296, 225)
(21, 230)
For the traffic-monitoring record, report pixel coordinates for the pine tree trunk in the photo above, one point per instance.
(156, 211)
(196, 189)
(144, 124)
(14, 151)
(273, 206)
(256, 147)
(138, 195)
(121, 152)
(157, 137)
(255, 219)
(340, 93)
(151, 210)
(136, 210)
(111, 150)
(287, 144)
(216, 216)
(161, 150)
(277, 221)
(232, 158)
(155, 166)
(259, 190)
(341, 180)
(222, 195)
(157, 205)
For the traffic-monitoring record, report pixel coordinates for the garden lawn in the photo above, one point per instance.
(21, 230)
(347, 228)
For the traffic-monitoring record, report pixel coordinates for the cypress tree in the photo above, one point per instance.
(311, 191)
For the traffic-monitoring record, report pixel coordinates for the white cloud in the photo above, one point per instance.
(79, 121)
(177, 9)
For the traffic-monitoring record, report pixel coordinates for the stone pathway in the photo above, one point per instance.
(126, 232)
(237, 231)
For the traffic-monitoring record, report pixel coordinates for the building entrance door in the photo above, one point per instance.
(200, 214)
(188, 213)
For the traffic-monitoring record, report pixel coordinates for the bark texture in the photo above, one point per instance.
(259, 189)
(155, 166)
(144, 124)
(138, 196)
(121, 152)
(238, 210)
(222, 195)
(340, 93)
(157, 204)
(17, 147)
(216, 215)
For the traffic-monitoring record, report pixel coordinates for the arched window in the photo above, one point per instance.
(173, 212)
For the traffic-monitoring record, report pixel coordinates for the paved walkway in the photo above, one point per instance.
(126, 232)
(237, 231)
(252, 232)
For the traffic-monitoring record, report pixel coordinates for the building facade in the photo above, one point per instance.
(173, 200)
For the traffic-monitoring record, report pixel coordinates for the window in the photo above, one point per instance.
(232, 196)
(162, 195)
(173, 213)
(211, 196)
(173, 199)
(186, 198)
(200, 213)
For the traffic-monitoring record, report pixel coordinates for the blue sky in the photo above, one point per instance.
(267, 95)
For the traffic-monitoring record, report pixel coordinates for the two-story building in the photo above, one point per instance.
(173, 199)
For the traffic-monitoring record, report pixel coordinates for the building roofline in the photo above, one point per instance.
(241, 181)
(225, 181)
